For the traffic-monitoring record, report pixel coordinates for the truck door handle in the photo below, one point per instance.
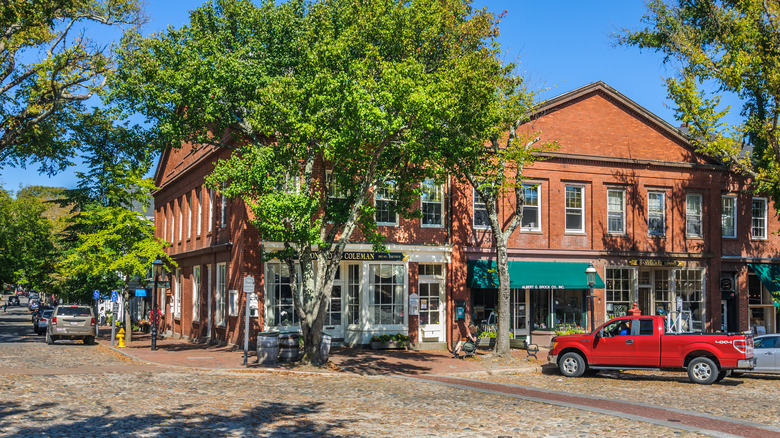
(629, 341)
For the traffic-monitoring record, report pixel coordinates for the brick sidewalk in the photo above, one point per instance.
(183, 353)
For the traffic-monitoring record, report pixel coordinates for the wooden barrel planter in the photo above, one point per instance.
(267, 348)
(288, 347)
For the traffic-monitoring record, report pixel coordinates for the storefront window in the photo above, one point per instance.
(353, 294)
(387, 293)
(279, 291)
(558, 309)
(618, 291)
(689, 288)
(663, 302)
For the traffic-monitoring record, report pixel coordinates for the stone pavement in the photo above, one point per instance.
(183, 353)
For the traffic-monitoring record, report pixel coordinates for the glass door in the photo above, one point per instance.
(431, 311)
(519, 314)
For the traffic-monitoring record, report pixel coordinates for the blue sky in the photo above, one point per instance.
(559, 45)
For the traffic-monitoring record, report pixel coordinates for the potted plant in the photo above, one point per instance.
(381, 342)
(486, 339)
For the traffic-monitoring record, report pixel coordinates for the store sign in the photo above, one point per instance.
(374, 256)
(726, 284)
(650, 262)
(542, 286)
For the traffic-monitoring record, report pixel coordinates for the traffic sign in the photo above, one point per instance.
(96, 295)
(114, 297)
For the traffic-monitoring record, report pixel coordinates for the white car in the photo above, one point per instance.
(43, 321)
(766, 350)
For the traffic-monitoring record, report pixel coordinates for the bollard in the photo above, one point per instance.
(120, 337)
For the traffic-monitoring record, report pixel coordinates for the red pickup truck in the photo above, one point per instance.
(642, 343)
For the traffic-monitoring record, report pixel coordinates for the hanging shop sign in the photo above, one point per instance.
(652, 262)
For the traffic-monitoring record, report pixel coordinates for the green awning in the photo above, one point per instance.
(769, 275)
(531, 275)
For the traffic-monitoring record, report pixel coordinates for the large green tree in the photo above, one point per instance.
(49, 65)
(723, 48)
(327, 104)
(108, 242)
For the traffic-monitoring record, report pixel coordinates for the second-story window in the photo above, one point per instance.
(481, 218)
(189, 216)
(531, 215)
(616, 211)
(693, 226)
(211, 210)
(199, 194)
(432, 204)
(656, 216)
(575, 211)
(758, 230)
(728, 216)
(223, 210)
(181, 217)
(385, 204)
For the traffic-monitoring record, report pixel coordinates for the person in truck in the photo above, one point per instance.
(624, 329)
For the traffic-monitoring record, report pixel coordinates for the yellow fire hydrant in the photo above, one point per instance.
(120, 337)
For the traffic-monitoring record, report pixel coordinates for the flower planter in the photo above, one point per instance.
(486, 342)
(517, 343)
(390, 345)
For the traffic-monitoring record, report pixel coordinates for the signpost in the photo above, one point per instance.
(249, 289)
(114, 311)
(96, 296)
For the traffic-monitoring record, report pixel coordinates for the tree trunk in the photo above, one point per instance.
(128, 322)
(503, 306)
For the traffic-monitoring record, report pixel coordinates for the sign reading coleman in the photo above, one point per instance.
(374, 256)
(649, 262)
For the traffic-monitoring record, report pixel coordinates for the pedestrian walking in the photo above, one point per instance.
(5, 305)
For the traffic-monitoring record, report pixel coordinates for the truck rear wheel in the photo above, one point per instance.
(572, 365)
(703, 370)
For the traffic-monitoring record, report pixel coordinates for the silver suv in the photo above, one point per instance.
(71, 322)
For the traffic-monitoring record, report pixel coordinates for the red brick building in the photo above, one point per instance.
(664, 226)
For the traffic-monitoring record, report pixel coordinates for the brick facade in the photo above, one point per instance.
(607, 146)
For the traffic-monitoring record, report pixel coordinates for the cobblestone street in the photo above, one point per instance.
(74, 390)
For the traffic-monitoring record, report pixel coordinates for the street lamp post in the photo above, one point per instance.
(590, 274)
(157, 267)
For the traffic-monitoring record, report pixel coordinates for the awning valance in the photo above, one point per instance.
(769, 276)
(531, 275)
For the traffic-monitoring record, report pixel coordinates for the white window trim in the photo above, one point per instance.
(165, 224)
(766, 222)
(189, 216)
(223, 208)
(622, 212)
(663, 213)
(334, 191)
(474, 203)
(221, 294)
(440, 188)
(177, 295)
(388, 199)
(196, 293)
(538, 208)
(181, 218)
(370, 304)
(581, 230)
(232, 302)
(701, 215)
(199, 195)
(211, 210)
(733, 216)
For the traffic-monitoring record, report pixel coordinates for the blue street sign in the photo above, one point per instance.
(96, 295)
(114, 297)
(140, 292)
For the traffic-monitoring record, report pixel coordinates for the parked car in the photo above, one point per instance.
(37, 314)
(43, 321)
(642, 343)
(767, 354)
(72, 322)
(13, 301)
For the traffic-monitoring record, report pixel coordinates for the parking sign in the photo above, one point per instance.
(96, 294)
(114, 297)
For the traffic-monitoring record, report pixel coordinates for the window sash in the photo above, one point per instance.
(189, 216)
(199, 195)
(432, 203)
(384, 204)
(177, 295)
(223, 208)
(531, 220)
(481, 217)
(656, 217)
(196, 293)
(181, 218)
(728, 221)
(758, 228)
(386, 300)
(575, 217)
(616, 211)
(693, 216)
(221, 293)
(211, 210)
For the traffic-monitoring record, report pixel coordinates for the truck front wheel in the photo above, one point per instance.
(703, 370)
(572, 365)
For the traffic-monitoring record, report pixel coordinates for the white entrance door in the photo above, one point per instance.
(519, 313)
(431, 310)
(334, 319)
